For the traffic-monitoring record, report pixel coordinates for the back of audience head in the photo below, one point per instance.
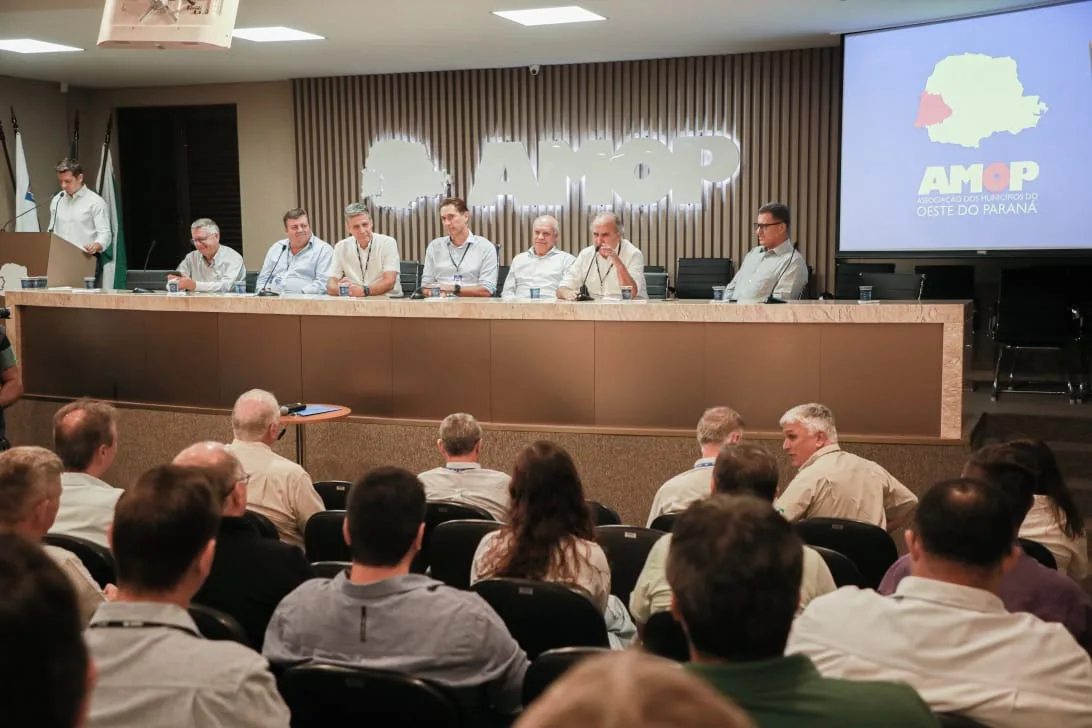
(1049, 482)
(719, 425)
(745, 469)
(385, 516)
(735, 567)
(30, 490)
(224, 471)
(807, 428)
(460, 436)
(44, 665)
(85, 436)
(1012, 467)
(256, 417)
(164, 532)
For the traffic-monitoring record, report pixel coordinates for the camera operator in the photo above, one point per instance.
(11, 381)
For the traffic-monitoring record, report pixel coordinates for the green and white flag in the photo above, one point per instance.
(114, 268)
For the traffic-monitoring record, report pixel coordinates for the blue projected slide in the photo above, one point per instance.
(972, 135)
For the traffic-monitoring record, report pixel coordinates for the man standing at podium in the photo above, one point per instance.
(79, 215)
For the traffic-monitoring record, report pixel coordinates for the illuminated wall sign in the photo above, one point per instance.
(642, 171)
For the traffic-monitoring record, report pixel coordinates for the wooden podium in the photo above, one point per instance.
(45, 254)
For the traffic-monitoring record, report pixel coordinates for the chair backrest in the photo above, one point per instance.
(655, 269)
(410, 275)
(844, 571)
(551, 665)
(1033, 307)
(656, 285)
(451, 551)
(96, 558)
(627, 550)
(541, 616)
(868, 546)
(251, 279)
(847, 276)
(320, 695)
(664, 522)
(947, 282)
(695, 277)
(264, 525)
(330, 569)
(437, 513)
(323, 539)
(1039, 552)
(216, 625)
(952, 720)
(334, 493)
(603, 515)
(895, 286)
(502, 276)
(664, 636)
(153, 280)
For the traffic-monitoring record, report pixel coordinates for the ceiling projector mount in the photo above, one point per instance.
(168, 23)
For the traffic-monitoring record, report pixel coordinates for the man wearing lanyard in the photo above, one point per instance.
(366, 260)
(80, 216)
(607, 265)
(464, 264)
(298, 263)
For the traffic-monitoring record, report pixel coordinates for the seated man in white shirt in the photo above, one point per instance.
(297, 264)
(462, 479)
(212, 268)
(366, 260)
(946, 632)
(776, 268)
(540, 268)
(461, 263)
(278, 488)
(717, 426)
(85, 436)
(832, 483)
(606, 265)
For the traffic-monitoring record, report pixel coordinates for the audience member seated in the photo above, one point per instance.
(250, 574)
(30, 490)
(154, 667)
(735, 569)
(85, 436)
(946, 632)
(832, 483)
(379, 615)
(1054, 519)
(550, 536)
(716, 427)
(634, 690)
(462, 479)
(1027, 586)
(739, 469)
(278, 488)
(44, 668)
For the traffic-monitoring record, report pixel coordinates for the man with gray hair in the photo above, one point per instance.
(832, 483)
(717, 426)
(462, 479)
(212, 268)
(366, 261)
(278, 488)
(542, 267)
(608, 264)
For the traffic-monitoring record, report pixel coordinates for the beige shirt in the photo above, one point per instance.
(87, 507)
(381, 256)
(88, 594)
(278, 489)
(833, 483)
(682, 490)
(602, 274)
(1041, 526)
(652, 594)
(217, 277)
(468, 484)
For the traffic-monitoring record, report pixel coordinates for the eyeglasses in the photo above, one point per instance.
(763, 225)
(202, 241)
(244, 478)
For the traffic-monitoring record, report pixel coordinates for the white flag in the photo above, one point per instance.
(26, 217)
(114, 265)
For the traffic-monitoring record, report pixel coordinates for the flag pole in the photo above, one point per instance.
(76, 137)
(105, 148)
(7, 156)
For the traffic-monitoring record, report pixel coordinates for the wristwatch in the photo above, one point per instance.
(367, 290)
(458, 288)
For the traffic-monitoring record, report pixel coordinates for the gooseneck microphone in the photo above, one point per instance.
(583, 295)
(269, 278)
(4, 227)
(771, 298)
(148, 257)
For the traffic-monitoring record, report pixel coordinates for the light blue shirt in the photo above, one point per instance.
(475, 260)
(304, 272)
(776, 272)
(533, 271)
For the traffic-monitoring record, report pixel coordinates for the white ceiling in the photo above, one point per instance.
(388, 36)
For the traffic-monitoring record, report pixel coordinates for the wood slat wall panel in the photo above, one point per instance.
(782, 108)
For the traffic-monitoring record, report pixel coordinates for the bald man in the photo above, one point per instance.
(250, 573)
(85, 437)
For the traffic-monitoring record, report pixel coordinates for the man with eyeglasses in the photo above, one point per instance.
(211, 268)
(775, 269)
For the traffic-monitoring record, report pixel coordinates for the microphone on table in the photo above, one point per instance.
(583, 295)
(148, 257)
(771, 298)
(269, 279)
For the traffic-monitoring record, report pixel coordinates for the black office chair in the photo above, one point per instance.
(947, 282)
(502, 276)
(435, 514)
(409, 276)
(542, 616)
(656, 285)
(1039, 552)
(251, 280)
(264, 525)
(895, 286)
(216, 625)
(664, 636)
(627, 550)
(323, 538)
(664, 522)
(551, 665)
(320, 695)
(452, 549)
(695, 277)
(847, 277)
(152, 280)
(97, 559)
(330, 569)
(844, 571)
(868, 546)
(952, 720)
(603, 515)
(334, 493)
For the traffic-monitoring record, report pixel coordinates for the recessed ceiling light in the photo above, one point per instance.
(550, 16)
(274, 34)
(29, 45)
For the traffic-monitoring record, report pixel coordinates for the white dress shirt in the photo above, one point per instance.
(88, 594)
(365, 266)
(603, 276)
(475, 260)
(87, 507)
(81, 218)
(226, 268)
(468, 484)
(533, 271)
(304, 272)
(682, 490)
(955, 645)
(278, 489)
(759, 274)
(1041, 525)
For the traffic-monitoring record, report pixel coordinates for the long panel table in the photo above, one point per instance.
(885, 368)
